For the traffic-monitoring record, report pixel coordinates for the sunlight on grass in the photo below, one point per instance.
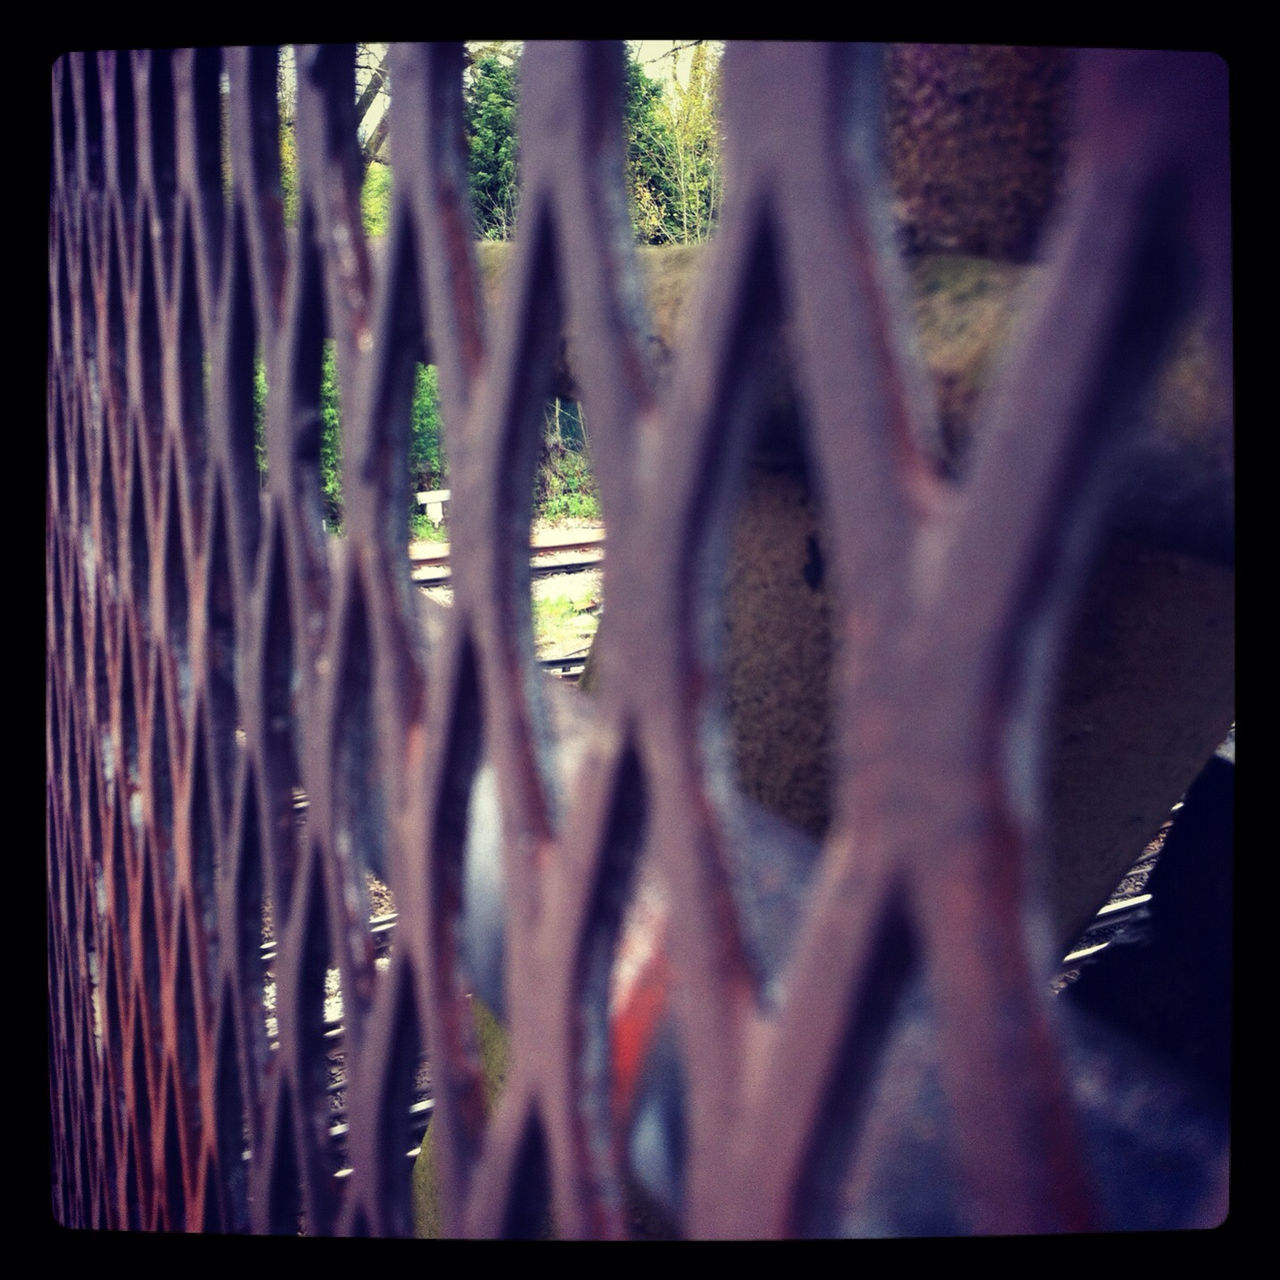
(566, 613)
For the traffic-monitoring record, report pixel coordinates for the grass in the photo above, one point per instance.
(421, 529)
(565, 616)
(556, 611)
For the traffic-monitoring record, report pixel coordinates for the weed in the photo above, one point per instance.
(565, 616)
(565, 487)
(422, 529)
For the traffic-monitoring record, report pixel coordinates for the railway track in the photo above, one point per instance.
(567, 667)
(567, 551)
(1123, 918)
(1119, 919)
(419, 1111)
(551, 554)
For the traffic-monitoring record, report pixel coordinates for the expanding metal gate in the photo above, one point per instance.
(213, 655)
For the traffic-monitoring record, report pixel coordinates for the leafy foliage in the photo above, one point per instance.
(674, 179)
(288, 168)
(672, 127)
(426, 456)
(330, 439)
(375, 196)
(652, 192)
(330, 433)
(564, 486)
(260, 417)
(491, 100)
(375, 199)
(674, 152)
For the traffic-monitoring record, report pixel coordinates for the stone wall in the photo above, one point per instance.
(977, 145)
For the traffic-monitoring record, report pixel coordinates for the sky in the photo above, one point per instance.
(654, 57)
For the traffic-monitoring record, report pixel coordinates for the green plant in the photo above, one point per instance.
(565, 487)
(422, 529)
(550, 612)
(288, 167)
(330, 433)
(330, 439)
(673, 150)
(426, 455)
(375, 199)
(260, 417)
(491, 97)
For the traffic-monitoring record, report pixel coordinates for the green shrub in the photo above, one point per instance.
(426, 456)
(330, 439)
(565, 488)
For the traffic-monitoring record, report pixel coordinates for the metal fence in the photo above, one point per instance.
(213, 656)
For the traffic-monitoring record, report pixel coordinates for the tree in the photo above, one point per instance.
(653, 194)
(373, 121)
(675, 151)
(373, 118)
(491, 102)
(695, 126)
(426, 457)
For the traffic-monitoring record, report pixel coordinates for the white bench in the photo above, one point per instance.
(433, 500)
